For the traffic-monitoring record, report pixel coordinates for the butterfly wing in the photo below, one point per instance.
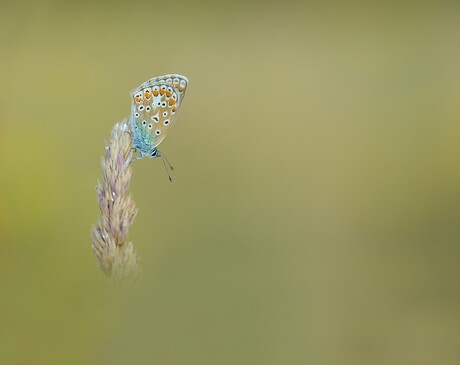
(155, 105)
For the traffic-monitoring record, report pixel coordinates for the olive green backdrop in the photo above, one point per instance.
(315, 209)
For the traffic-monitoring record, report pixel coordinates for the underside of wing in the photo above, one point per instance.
(155, 105)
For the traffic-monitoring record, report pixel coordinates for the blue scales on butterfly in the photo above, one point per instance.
(155, 105)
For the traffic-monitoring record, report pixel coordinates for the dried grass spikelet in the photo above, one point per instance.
(115, 255)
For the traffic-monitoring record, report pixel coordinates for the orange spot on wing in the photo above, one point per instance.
(174, 109)
(171, 101)
(138, 99)
(168, 93)
(181, 89)
(162, 92)
(147, 95)
(155, 92)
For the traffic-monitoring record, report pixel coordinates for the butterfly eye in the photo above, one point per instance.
(157, 132)
(166, 122)
(150, 126)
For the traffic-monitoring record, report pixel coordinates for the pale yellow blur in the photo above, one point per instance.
(314, 214)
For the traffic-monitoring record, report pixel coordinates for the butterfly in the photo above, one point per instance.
(155, 105)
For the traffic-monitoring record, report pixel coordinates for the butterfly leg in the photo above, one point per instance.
(134, 158)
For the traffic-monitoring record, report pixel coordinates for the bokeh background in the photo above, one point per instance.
(315, 209)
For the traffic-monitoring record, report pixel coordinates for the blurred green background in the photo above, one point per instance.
(315, 209)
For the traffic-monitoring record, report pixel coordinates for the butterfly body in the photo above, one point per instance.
(155, 105)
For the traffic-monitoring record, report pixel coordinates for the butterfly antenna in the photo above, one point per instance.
(162, 155)
(166, 167)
